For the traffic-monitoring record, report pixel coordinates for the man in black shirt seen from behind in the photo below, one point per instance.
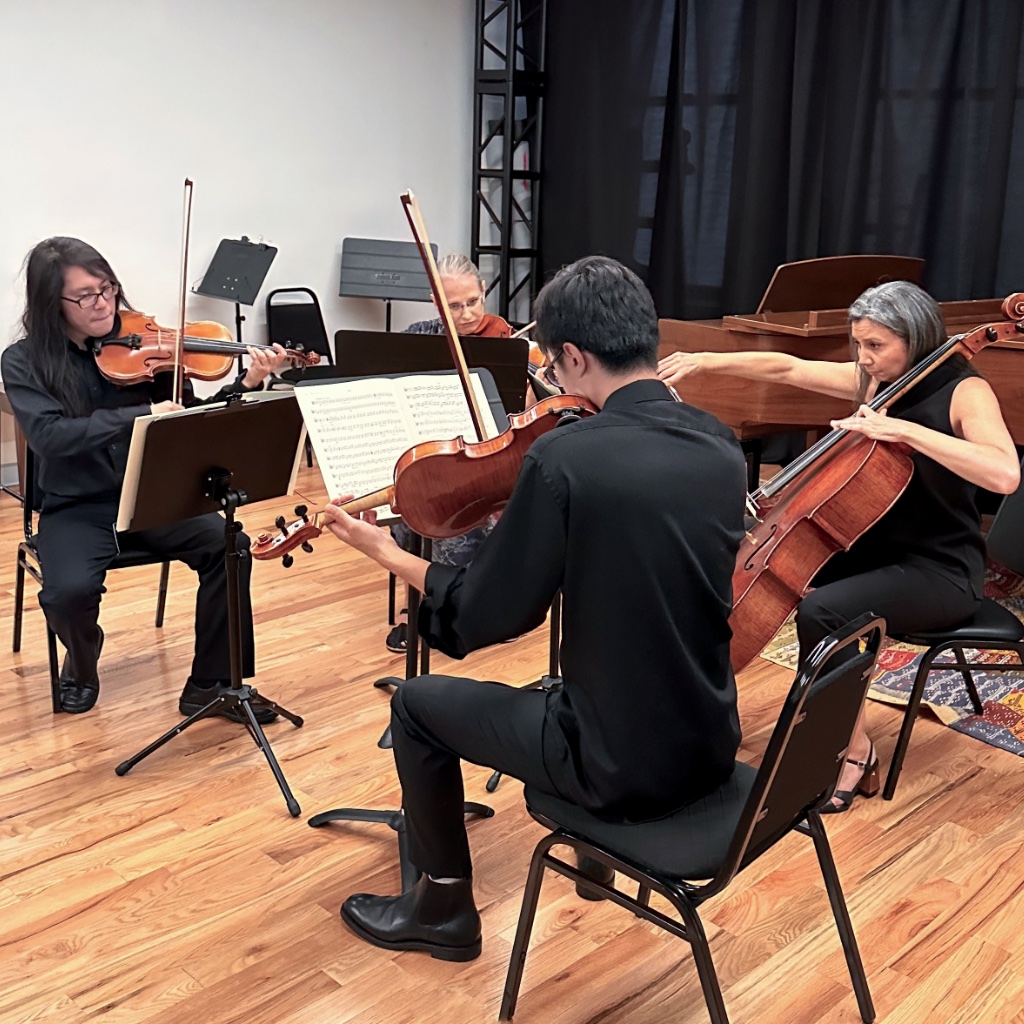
(636, 513)
(79, 426)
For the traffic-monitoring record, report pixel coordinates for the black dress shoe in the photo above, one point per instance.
(194, 698)
(598, 872)
(439, 918)
(78, 696)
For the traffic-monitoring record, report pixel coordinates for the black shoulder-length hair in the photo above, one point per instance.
(43, 319)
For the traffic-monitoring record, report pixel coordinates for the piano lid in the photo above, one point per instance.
(833, 282)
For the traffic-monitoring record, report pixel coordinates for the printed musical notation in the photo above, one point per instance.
(359, 429)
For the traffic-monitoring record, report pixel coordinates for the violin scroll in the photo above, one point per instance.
(291, 536)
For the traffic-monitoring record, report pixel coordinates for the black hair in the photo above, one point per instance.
(603, 308)
(43, 319)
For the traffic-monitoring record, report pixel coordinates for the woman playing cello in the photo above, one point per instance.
(921, 565)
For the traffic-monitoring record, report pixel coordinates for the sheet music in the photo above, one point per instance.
(360, 428)
(439, 411)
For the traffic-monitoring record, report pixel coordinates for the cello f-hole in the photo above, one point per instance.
(749, 563)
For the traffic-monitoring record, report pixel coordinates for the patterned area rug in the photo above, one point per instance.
(1002, 693)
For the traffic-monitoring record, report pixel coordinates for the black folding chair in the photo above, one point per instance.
(29, 562)
(721, 834)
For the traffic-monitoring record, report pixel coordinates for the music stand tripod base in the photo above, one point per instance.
(198, 446)
(241, 699)
(395, 820)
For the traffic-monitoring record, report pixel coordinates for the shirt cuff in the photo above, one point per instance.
(439, 609)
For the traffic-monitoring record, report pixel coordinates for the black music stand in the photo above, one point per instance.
(205, 460)
(376, 354)
(236, 274)
(395, 820)
(417, 658)
(379, 268)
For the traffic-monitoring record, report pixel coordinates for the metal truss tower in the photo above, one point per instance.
(508, 98)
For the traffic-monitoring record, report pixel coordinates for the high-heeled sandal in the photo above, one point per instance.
(868, 785)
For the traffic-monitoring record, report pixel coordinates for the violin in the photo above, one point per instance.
(441, 488)
(143, 348)
(828, 498)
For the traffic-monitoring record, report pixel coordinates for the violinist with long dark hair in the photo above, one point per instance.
(921, 566)
(78, 425)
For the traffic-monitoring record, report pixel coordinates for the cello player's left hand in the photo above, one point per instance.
(875, 425)
(264, 362)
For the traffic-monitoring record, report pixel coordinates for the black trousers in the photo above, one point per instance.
(909, 597)
(76, 545)
(436, 721)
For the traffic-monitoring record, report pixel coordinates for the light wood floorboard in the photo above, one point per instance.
(184, 892)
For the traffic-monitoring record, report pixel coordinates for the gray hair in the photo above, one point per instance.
(906, 310)
(457, 265)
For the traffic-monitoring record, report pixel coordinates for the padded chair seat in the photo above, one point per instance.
(689, 844)
(992, 622)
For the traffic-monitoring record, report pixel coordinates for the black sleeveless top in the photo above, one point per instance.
(935, 522)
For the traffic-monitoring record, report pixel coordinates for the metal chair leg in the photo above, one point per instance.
(51, 652)
(531, 895)
(842, 918)
(161, 600)
(909, 715)
(965, 671)
(702, 960)
(19, 603)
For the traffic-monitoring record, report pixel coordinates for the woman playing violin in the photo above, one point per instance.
(79, 424)
(466, 291)
(921, 565)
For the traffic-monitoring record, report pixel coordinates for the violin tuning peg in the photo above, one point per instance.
(307, 547)
(301, 510)
(287, 561)
(262, 538)
(280, 523)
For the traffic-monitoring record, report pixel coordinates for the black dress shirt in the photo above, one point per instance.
(636, 514)
(82, 457)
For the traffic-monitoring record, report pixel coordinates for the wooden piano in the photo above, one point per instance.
(803, 313)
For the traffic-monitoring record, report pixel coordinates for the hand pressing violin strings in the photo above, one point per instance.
(265, 361)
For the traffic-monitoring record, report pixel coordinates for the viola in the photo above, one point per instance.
(444, 488)
(441, 488)
(826, 499)
(144, 348)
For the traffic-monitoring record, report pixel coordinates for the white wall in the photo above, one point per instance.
(300, 122)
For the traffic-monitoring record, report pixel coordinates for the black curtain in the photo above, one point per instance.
(704, 142)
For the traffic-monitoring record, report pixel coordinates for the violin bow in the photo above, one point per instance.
(419, 233)
(179, 344)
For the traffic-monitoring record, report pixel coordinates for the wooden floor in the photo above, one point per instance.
(185, 893)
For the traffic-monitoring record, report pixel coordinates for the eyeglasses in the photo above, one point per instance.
(550, 372)
(87, 301)
(457, 307)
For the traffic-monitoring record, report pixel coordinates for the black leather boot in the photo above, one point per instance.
(79, 695)
(598, 872)
(439, 918)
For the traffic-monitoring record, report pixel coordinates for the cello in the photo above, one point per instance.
(441, 488)
(826, 499)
